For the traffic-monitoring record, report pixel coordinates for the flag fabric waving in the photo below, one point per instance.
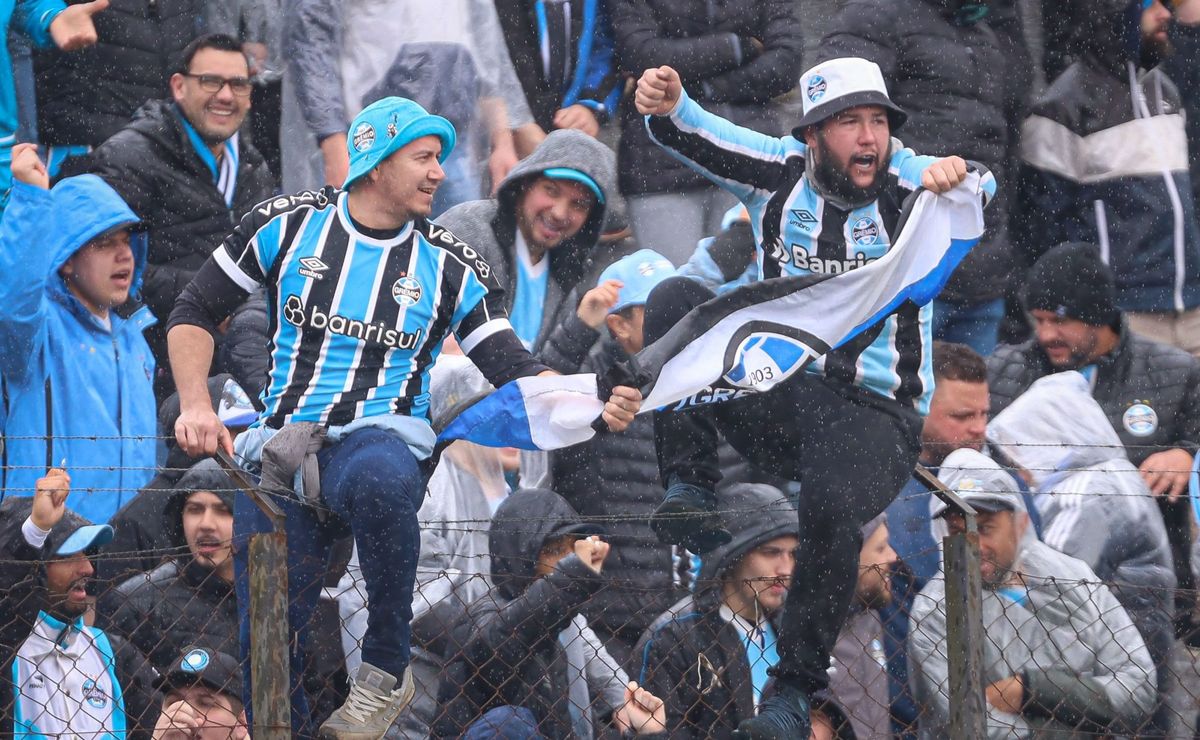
(753, 337)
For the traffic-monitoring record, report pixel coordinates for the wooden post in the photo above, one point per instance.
(964, 616)
(269, 633)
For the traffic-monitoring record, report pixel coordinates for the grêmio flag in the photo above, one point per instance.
(751, 338)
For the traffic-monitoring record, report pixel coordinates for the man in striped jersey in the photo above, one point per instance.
(363, 289)
(825, 200)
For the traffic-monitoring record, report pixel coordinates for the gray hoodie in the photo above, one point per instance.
(490, 226)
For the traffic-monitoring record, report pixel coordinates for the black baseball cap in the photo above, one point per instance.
(203, 666)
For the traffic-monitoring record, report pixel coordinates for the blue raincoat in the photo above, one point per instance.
(65, 374)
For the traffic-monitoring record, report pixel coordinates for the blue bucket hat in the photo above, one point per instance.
(387, 125)
(640, 273)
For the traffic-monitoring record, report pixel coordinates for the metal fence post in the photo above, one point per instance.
(269, 666)
(964, 616)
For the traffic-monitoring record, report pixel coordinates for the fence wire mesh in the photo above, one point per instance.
(1093, 639)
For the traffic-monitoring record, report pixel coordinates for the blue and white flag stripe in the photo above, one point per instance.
(754, 337)
(537, 413)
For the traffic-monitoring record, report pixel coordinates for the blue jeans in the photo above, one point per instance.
(977, 326)
(504, 723)
(373, 486)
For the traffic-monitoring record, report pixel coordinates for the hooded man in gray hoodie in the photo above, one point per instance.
(537, 234)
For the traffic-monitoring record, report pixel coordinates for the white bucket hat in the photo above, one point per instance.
(838, 84)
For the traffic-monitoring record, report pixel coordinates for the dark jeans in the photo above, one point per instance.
(373, 486)
(504, 723)
(851, 450)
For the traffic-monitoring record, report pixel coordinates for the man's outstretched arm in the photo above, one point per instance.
(736, 158)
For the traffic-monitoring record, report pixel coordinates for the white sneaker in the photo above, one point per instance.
(371, 708)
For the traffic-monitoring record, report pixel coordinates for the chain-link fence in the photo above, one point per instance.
(1029, 643)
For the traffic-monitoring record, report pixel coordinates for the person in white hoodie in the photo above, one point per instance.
(1094, 503)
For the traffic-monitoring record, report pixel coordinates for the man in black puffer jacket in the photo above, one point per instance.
(84, 97)
(734, 56)
(188, 599)
(962, 82)
(615, 478)
(183, 170)
(1149, 391)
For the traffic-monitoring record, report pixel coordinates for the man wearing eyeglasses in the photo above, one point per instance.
(183, 169)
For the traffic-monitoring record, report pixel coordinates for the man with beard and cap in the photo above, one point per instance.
(1105, 160)
(76, 374)
(524, 649)
(1061, 656)
(61, 677)
(981, 72)
(189, 598)
(825, 200)
(708, 656)
(363, 291)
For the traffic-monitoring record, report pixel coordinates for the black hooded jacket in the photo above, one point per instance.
(24, 595)
(963, 85)
(712, 45)
(181, 602)
(695, 660)
(86, 96)
(505, 649)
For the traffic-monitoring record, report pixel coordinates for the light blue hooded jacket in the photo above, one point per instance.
(101, 400)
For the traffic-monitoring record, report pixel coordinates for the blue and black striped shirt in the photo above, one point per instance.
(357, 317)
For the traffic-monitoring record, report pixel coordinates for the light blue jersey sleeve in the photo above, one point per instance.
(747, 163)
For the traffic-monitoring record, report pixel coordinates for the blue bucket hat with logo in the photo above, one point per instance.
(387, 125)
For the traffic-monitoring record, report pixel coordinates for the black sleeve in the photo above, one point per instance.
(24, 590)
(138, 679)
(502, 358)
(771, 73)
(567, 345)
(231, 273)
(208, 300)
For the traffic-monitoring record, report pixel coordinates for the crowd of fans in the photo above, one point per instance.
(1066, 410)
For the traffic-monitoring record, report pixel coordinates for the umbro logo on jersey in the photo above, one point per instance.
(803, 218)
(311, 267)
